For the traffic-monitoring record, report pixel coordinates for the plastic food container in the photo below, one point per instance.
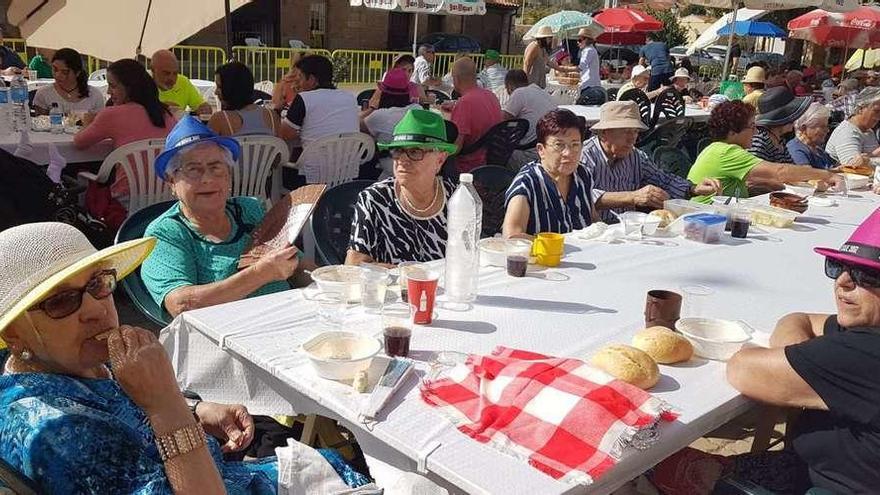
(704, 227)
(855, 181)
(339, 355)
(713, 338)
(680, 207)
(772, 217)
(342, 279)
(650, 224)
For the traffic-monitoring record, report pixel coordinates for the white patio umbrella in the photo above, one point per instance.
(113, 29)
(449, 7)
(829, 5)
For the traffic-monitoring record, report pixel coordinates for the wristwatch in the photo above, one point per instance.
(192, 404)
(180, 441)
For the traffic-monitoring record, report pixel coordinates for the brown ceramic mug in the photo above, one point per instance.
(662, 308)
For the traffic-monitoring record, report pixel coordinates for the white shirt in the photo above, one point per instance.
(327, 112)
(589, 67)
(421, 71)
(530, 103)
(381, 122)
(47, 95)
(848, 141)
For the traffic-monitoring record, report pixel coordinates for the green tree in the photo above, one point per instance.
(673, 33)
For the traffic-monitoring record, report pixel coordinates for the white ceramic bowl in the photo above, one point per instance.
(337, 355)
(713, 338)
(342, 279)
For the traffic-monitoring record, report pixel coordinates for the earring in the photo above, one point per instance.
(26, 354)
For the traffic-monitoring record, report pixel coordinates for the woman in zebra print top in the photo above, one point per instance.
(403, 218)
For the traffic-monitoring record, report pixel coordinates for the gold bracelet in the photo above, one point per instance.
(180, 441)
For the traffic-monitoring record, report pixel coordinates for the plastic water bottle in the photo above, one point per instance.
(464, 224)
(5, 112)
(56, 119)
(18, 93)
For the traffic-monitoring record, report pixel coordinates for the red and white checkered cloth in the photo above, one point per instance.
(564, 417)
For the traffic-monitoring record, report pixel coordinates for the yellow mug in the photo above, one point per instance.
(548, 248)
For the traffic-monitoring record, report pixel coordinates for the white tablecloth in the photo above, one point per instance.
(591, 113)
(758, 279)
(40, 142)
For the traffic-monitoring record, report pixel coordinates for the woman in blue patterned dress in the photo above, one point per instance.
(74, 424)
(552, 194)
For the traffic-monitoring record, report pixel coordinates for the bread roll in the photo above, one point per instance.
(628, 364)
(663, 345)
(666, 217)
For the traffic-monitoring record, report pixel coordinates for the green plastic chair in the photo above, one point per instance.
(673, 160)
(491, 182)
(133, 285)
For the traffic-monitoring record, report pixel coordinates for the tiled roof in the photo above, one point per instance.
(509, 4)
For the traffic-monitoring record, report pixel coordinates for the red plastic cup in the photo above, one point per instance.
(421, 292)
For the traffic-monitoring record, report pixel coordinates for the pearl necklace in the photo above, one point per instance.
(416, 211)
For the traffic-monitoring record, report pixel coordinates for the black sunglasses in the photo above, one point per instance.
(863, 277)
(67, 302)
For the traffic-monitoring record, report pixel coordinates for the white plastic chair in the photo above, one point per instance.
(137, 161)
(260, 157)
(98, 75)
(254, 42)
(335, 159)
(265, 86)
(297, 44)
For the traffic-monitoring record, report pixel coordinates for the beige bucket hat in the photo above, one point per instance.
(755, 75)
(619, 115)
(35, 258)
(544, 32)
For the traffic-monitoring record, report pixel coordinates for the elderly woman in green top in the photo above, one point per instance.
(202, 236)
(731, 126)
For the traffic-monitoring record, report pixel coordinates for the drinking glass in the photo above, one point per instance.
(374, 283)
(397, 324)
(696, 298)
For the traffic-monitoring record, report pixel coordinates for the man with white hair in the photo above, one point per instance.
(846, 97)
(855, 137)
(423, 72)
(623, 175)
(175, 89)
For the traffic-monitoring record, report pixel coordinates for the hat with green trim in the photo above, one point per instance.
(423, 129)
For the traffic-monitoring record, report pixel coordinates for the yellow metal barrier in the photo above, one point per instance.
(19, 46)
(362, 66)
(199, 62)
(270, 63)
(511, 62)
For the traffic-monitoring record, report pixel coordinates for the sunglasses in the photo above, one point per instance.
(67, 302)
(863, 277)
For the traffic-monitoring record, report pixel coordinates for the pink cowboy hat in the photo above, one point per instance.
(395, 82)
(862, 248)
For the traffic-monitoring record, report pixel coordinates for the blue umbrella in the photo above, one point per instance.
(753, 28)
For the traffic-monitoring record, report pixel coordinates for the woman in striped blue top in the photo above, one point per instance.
(552, 194)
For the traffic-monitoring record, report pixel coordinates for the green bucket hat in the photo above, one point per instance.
(423, 129)
(492, 55)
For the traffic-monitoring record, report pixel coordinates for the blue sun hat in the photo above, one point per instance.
(187, 132)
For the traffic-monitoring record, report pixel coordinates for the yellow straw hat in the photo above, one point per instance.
(35, 258)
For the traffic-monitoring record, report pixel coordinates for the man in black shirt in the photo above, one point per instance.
(829, 365)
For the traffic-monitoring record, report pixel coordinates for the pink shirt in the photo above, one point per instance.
(474, 114)
(122, 124)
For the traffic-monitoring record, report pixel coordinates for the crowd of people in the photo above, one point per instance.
(58, 320)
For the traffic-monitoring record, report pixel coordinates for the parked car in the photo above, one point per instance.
(718, 52)
(774, 60)
(698, 58)
(450, 43)
(626, 53)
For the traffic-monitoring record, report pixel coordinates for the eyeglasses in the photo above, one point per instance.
(561, 147)
(863, 277)
(414, 154)
(67, 302)
(196, 172)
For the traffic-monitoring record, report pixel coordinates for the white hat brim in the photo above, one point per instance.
(124, 258)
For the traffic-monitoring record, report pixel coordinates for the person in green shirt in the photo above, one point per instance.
(39, 64)
(201, 237)
(175, 89)
(731, 126)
